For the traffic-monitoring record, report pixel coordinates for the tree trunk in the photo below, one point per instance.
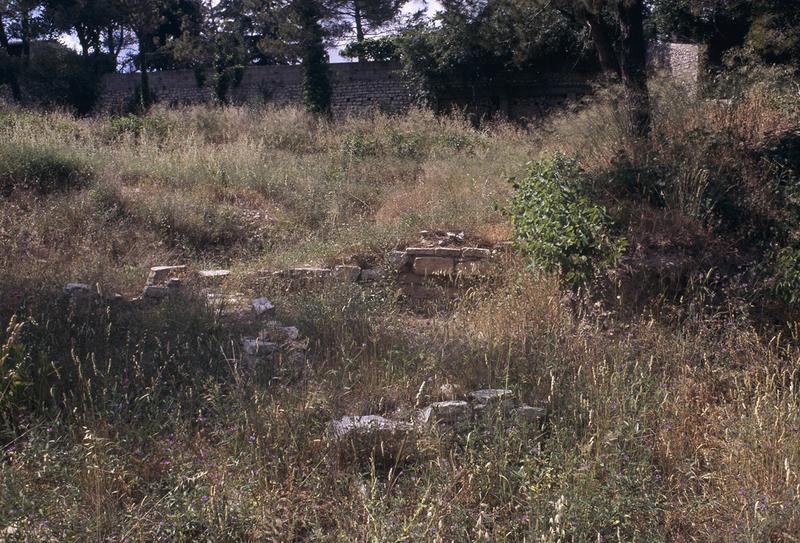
(25, 25)
(633, 68)
(603, 46)
(359, 28)
(3, 36)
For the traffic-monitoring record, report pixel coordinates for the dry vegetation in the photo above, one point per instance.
(121, 429)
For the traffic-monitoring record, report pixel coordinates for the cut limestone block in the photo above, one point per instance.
(448, 252)
(450, 412)
(262, 307)
(421, 251)
(372, 436)
(433, 266)
(78, 289)
(159, 274)
(476, 253)
(347, 274)
(491, 400)
(213, 276)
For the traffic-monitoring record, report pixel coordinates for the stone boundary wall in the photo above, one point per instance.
(361, 87)
(356, 87)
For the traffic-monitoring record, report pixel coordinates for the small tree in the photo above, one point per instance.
(316, 85)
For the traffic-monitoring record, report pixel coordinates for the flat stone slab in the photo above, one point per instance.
(77, 289)
(400, 260)
(213, 274)
(491, 396)
(427, 265)
(448, 252)
(367, 425)
(421, 251)
(262, 306)
(476, 252)
(450, 412)
(371, 275)
(159, 274)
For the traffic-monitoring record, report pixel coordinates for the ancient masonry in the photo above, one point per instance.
(362, 87)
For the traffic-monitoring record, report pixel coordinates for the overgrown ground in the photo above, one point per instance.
(669, 421)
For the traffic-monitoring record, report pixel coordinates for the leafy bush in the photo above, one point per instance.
(139, 125)
(557, 225)
(43, 169)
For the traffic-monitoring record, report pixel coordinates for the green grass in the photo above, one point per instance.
(136, 426)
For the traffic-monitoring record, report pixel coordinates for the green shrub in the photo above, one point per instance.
(43, 169)
(556, 224)
(139, 125)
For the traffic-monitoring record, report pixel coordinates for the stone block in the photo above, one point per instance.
(448, 252)
(421, 251)
(78, 289)
(372, 436)
(213, 276)
(475, 253)
(256, 347)
(309, 273)
(159, 274)
(491, 396)
(262, 306)
(435, 265)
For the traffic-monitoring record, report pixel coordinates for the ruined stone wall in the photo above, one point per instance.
(356, 87)
(680, 62)
(362, 87)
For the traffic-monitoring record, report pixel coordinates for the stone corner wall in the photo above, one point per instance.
(681, 62)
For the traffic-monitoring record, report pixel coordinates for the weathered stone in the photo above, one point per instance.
(174, 283)
(491, 395)
(450, 412)
(409, 279)
(255, 347)
(349, 274)
(371, 436)
(400, 261)
(310, 273)
(473, 268)
(433, 266)
(371, 275)
(530, 415)
(158, 274)
(475, 252)
(421, 251)
(449, 252)
(154, 292)
(213, 275)
(490, 400)
(262, 306)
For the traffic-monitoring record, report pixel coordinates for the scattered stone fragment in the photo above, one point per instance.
(456, 236)
(421, 251)
(370, 275)
(476, 252)
(433, 266)
(450, 252)
(347, 273)
(155, 292)
(262, 306)
(451, 412)
(158, 274)
(530, 415)
(491, 396)
(174, 283)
